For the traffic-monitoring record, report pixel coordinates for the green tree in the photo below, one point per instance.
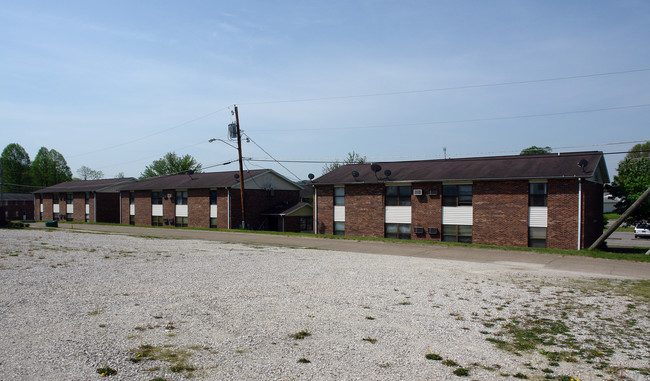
(353, 158)
(89, 174)
(640, 150)
(50, 168)
(16, 165)
(535, 150)
(632, 180)
(171, 164)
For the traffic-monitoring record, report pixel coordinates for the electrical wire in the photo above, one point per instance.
(459, 120)
(271, 156)
(153, 156)
(449, 88)
(454, 155)
(150, 135)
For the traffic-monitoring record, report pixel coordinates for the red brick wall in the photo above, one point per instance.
(500, 211)
(325, 211)
(48, 214)
(198, 208)
(426, 211)
(79, 206)
(364, 210)
(124, 207)
(17, 209)
(169, 206)
(142, 202)
(562, 201)
(222, 208)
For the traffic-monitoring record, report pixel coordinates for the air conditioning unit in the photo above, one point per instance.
(433, 231)
(169, 195)
(417, 192)
(418, 230)
(433, 192)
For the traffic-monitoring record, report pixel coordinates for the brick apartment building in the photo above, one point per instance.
(212, 200)
(18, 206)
(80, 201)
(550, 200)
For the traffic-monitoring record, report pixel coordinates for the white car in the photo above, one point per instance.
(642, 230)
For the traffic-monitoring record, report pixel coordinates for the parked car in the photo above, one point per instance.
(642, 230)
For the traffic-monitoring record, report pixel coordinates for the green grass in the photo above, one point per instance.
(300, 335)
(633, 255)
(106, 371)
(178, 358)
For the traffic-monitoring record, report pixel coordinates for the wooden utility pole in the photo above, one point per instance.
(620, 220)
(241, 173)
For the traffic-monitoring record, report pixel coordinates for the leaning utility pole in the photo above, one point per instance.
(620, 220)
(241, 172)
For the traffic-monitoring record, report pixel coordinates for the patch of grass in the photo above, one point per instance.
(433, 356)
(449, 362)
(178, 358)
(520, 376)
(461, 372)
(300, 335)
(106, 371)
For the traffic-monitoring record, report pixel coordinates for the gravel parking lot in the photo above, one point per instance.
(75, 305)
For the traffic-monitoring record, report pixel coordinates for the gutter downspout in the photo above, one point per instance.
(228, 207)
(120, 207)
(579, 212)
(95, 208)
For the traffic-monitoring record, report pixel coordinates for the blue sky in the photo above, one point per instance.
(114, 85)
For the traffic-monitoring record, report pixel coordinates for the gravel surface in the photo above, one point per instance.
(74, 302)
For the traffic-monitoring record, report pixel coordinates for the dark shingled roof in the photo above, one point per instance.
(196, 180)
(86, 185)
(18, 197)
(546, 166)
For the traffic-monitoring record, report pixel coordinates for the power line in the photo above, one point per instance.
(271, 156)
(154, 134)
(449, 88)
(460, 120)
(466, 154)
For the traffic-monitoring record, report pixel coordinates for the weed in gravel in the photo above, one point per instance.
(450, 362)
(300, 335)
(461, 372)
(433, 356)
(370, 318)
(405, 304)
(370, 340)
(178, 358)
(106, 371)
(520, 376)
(303, 361)
(92, 313)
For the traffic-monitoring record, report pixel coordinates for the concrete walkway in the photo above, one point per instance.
(514, 260)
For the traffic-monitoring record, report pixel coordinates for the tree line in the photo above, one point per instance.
(21, 175)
